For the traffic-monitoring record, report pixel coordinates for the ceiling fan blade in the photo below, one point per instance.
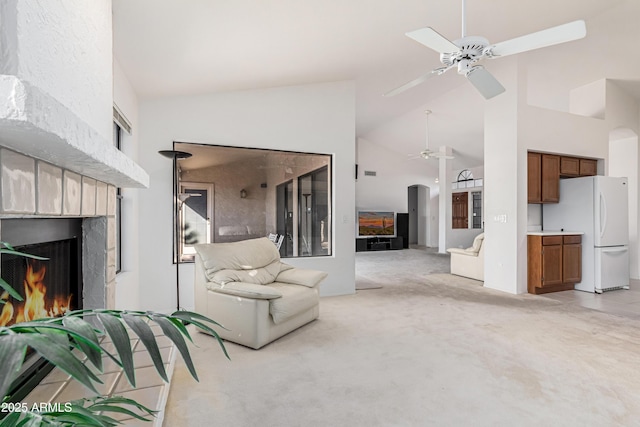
(562, 33)
(415, 82)
(484, 81)
(438, 155)
(432, 39)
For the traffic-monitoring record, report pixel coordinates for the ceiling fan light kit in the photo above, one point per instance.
(465, 52)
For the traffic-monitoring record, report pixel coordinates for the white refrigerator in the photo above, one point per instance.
(597, 206)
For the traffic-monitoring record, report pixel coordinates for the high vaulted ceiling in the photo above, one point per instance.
(169, 47)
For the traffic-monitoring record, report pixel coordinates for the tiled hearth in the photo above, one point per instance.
(151, 390)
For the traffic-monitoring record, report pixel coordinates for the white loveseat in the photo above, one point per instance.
(469, 262)
(246, 288)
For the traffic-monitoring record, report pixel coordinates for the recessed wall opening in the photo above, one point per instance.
(246, 193)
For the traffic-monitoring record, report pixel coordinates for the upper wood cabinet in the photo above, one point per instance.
(534, 177)
(543, 178)
(572, 167)
(588, 167)
(545, 170)
(550, 178)
(569, 166)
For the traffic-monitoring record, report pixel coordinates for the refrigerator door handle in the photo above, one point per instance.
(617, 249)
(603, 214)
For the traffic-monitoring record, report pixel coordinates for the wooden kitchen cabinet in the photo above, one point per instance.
(554, 263)
(588, 167)
(543, 178)
(550, 178)
(545, 170)
(534, 177)
(569, 166)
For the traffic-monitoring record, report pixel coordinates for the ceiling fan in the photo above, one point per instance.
(468, 50)
(427, 153)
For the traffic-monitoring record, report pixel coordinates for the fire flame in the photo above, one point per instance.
(35, 304)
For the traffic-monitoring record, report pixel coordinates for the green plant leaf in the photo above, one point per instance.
(118, 334)
(83, 328)
(61, 356)
(30, 421)
(56, 335)
(12, 350)
(120, 410)
(191, 317)
(7, 287)
(174, 335)
(36, 326)
(11, 420)
(143, 330)
(181, 327)
(110, 404)
(22, 254)
(74, 418)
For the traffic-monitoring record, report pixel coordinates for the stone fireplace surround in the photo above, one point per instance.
(32, 188)
(53, 164)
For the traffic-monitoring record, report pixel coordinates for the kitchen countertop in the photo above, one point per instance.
(553, 233)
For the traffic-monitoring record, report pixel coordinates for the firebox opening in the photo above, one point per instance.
(49, 288)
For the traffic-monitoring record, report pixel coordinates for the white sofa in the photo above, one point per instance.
(469, 262)
(247, 289)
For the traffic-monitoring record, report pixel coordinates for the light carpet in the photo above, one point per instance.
(424, 350)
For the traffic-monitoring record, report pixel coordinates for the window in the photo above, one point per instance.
(477, 208)
(117, 141)
(314, 229)
(195, 211)
(247, 193)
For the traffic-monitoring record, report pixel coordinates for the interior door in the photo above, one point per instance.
(460, 210)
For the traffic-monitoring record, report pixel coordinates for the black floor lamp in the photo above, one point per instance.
(175, 156)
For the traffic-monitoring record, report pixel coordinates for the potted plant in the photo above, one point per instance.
(57, 338)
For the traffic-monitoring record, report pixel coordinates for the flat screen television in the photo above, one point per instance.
(376, 224)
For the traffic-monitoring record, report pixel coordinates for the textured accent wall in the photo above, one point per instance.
(229, 208)
(258, 210)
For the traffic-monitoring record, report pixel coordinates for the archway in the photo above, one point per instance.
(418, 197)
(623, 161)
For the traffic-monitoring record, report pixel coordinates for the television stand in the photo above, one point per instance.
(365, 244)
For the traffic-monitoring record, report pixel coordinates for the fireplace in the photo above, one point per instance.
(49, 287)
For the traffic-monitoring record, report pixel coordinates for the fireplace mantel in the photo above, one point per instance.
(37, 125)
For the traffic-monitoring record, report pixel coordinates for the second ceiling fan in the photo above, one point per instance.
(465, 52)
(428, 153)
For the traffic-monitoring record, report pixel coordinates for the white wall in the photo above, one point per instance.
(504, 186)
(128, 280)
(314, 118)
(64, 49)
(387, 190)
(623, 162)
(394, 174)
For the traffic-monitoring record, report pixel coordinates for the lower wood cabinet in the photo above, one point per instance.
(554, 263)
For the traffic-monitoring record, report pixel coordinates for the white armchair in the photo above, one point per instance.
(469, 262)
(256, 297)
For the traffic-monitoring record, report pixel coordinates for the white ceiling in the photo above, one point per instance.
(169, 47)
